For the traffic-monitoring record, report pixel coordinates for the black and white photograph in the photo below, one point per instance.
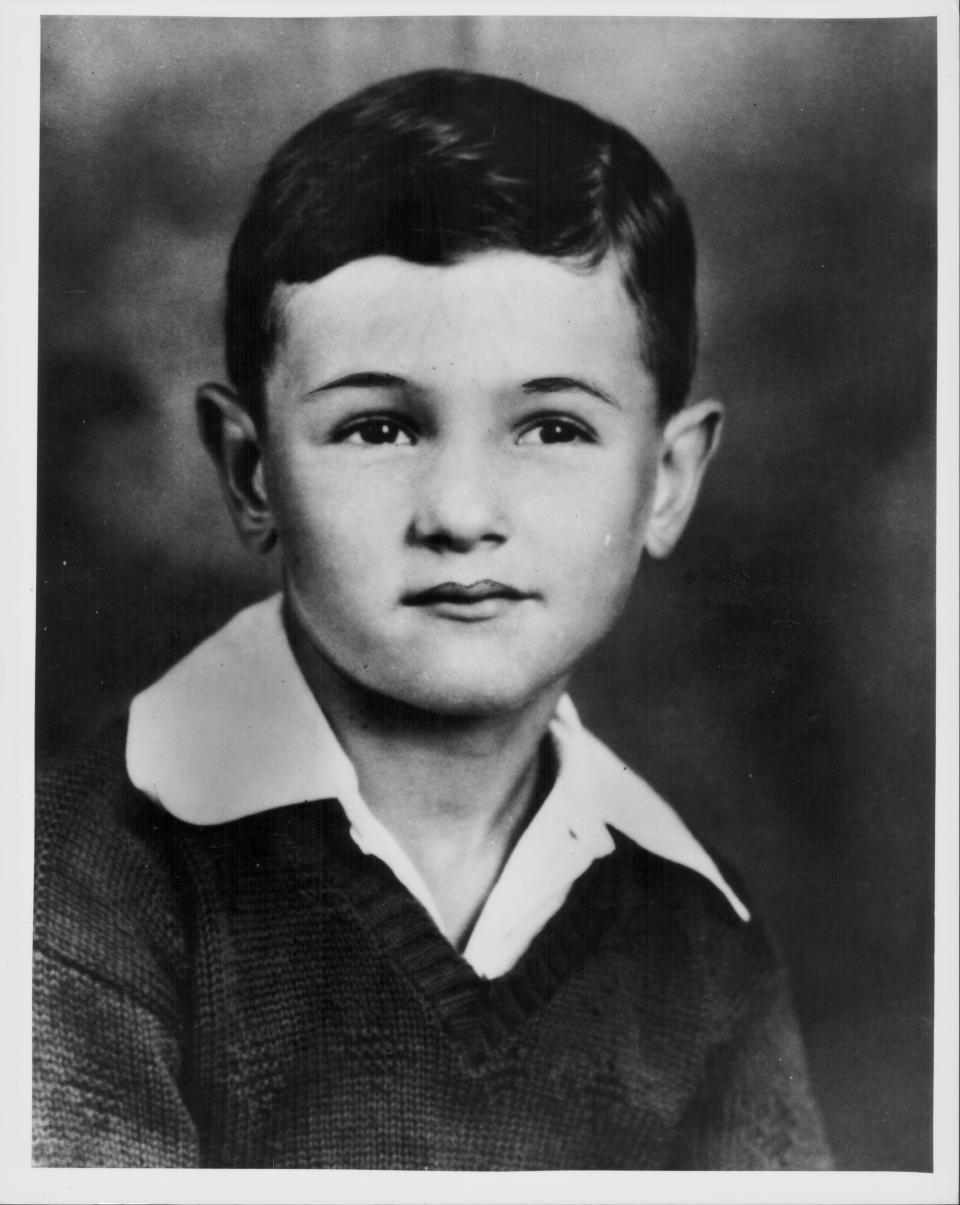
(485, 595)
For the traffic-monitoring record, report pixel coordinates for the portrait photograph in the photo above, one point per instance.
(486, 648)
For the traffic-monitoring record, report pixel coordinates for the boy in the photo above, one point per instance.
(352, 886)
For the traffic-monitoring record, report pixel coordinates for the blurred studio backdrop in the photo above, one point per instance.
(774, 679)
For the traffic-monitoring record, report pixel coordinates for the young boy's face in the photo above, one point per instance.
(461, 463)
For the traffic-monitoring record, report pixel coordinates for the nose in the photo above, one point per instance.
(459, 502)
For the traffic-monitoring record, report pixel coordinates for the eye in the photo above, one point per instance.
(555, 429)
(376, 431)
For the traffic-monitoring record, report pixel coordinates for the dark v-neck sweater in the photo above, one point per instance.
(263, 994)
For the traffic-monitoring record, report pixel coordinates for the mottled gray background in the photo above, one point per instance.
(774, 679)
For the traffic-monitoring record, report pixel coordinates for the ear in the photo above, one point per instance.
(230, 436)
(689, 440)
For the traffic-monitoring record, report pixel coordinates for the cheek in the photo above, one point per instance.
(332, 519)
(604, 545)
(598, 518)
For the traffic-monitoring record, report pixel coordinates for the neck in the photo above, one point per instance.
(454, 790)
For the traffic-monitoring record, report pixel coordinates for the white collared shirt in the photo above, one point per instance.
(233, 729)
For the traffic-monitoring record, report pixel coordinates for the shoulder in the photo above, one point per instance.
(690, 907)
(719, 970)
(629, 805)
(108, 870)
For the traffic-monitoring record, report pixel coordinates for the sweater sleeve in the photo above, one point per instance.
(755, 1110)
(106, 1071)
(109, 995)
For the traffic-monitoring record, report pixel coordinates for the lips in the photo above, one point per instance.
(461, 594)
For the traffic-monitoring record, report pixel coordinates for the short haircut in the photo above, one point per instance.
(438, 165)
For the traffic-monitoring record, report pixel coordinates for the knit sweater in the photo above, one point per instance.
(261, 993)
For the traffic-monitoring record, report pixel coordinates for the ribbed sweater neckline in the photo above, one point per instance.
(480, 1013)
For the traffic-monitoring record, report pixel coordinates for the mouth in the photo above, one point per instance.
(467, 603)
(462, 595)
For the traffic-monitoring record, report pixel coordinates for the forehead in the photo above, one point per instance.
(492, 315)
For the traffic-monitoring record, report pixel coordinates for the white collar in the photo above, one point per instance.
(233, 729)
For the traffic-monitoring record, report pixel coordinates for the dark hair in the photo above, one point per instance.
(434, 166)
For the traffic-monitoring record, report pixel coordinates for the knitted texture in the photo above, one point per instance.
(262, 994)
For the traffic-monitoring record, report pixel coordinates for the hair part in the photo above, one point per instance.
(439, 165)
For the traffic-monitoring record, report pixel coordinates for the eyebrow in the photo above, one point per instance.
(564, 384)
(362, 380)
(389, 380)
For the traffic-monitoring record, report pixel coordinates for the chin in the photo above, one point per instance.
(463, 701)
(460, 694)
